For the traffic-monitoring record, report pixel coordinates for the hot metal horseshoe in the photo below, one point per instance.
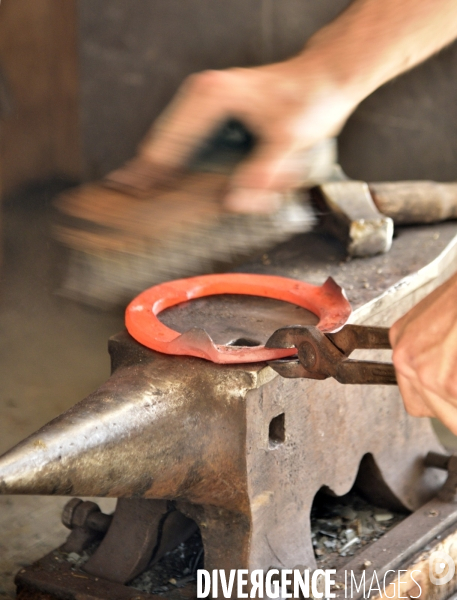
(328, 302)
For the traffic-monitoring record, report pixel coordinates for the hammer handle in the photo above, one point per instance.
(415, 201)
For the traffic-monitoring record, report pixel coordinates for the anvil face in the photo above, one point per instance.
(238, 449)
(230, 319)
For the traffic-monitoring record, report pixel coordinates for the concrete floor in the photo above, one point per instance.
(52, 354)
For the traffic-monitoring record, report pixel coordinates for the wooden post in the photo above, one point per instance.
(39, 60)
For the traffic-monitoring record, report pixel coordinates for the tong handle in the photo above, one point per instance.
(352, 337)
(365, 372)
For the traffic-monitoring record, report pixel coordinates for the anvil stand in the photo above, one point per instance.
(238, 450)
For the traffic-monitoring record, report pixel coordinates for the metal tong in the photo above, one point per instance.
(322, 355)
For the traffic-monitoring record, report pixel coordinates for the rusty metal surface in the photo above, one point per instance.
(137, 523)
(448, 492)
(161, 426)
(148, 529)
(87, 524)
(204, 435)
(320, 355)
(345, 426)
(400, 543)
(53, 579)
(413, 534)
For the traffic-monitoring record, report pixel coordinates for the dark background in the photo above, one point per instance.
(87, 77)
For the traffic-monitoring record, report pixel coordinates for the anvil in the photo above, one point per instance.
(236, 448)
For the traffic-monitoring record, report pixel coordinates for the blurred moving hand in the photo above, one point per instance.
(425, 355)
(292, 105)
(288, 106)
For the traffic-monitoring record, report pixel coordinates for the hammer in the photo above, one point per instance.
(362, 215)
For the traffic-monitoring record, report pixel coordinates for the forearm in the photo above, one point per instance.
(373, 41)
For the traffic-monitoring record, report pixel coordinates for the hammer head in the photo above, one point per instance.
(349, 213)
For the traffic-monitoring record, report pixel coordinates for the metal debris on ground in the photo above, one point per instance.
(175, 570)
(340, 527)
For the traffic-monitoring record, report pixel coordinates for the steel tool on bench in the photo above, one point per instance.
(362, 215)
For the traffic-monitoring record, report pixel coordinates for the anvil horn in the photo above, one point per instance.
(144, 433)
(236, 448)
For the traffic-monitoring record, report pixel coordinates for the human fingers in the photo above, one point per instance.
(257, 183)
(427, 390)
(197, 109)
(412, 397)
(275, 167)
(420, 402)
(441, 409)
(429, 360)
(429, 310)
(250, 200)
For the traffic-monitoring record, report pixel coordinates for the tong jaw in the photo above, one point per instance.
(320, 355)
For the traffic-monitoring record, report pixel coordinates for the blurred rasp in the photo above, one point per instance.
(142, 226)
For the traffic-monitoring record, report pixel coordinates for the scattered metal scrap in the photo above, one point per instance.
(341, 527)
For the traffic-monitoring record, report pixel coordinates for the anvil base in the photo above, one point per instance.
(400, 559)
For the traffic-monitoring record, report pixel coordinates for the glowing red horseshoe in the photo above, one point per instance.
(328, 302)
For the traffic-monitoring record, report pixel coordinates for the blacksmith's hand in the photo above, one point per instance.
(425, 355)
(292, 105)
